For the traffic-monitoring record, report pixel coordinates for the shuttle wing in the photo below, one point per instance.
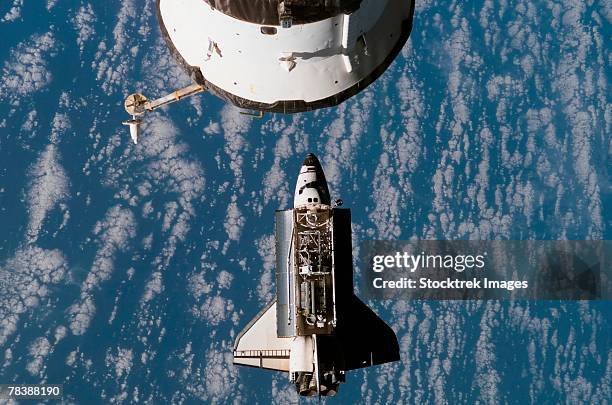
(258, 346)
(365, 338)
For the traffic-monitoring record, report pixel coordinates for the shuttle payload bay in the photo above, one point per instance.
(315, 329)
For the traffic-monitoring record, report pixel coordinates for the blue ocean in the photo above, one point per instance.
(126, 271)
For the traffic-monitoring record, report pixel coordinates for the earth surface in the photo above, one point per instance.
(126, 271)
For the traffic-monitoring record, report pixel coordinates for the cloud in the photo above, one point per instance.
(154, 286)
(30, 123)
(276, 186)
(25, 280)
(235, 126)
(84, 21)
(14, 13)
(26, 71)
(386, 196)
(224, 279)
(214, 310)
(48, 187)
(198, 285)
(60, 333)
(81, 314)
(38, 350)
(265, 248)
(168, 163)
(283, 392)
(487, 377)
(121, 362)
(109, 75)
(343, 142)
(113, 64)
(234, 221)
(218, 369)
(210, 375)
(164, 74)
(114, 234)
(168, 167)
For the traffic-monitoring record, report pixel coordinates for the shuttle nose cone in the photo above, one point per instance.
(311, 160)
(311, 186)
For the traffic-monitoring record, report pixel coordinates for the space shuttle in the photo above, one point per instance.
(316, 329)
(284, 56)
